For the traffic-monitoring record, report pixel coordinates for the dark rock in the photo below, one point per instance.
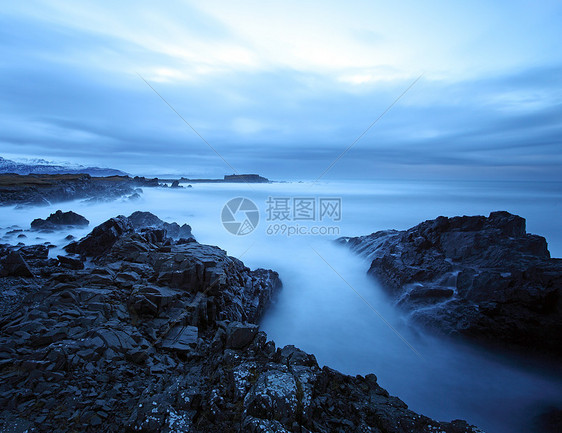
(142, 181)
(70, 262)
(483, 278)
(151, 300)
(34, 252)
(240, 335)
(59, 220)
(181, 338)
(291, 355)
(176, 184)
(141, 220)
(116, 339)
(14, 265)
(275, 392)
(182, 241)
(102, 238)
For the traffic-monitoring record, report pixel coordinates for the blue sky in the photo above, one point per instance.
(282, 88)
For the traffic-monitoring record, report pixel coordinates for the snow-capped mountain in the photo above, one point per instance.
(41, 166)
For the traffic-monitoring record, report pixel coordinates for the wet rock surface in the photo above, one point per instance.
(156, 335)
(480, 277)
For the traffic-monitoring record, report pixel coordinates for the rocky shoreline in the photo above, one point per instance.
(142, 328)
(45, 189)
(482, 278)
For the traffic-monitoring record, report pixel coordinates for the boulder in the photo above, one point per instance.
(59, 220)
(102, 237)
(142, 220)
(274, 395)
(14, 265)
(240, 335)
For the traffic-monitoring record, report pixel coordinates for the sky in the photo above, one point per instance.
(414, 90)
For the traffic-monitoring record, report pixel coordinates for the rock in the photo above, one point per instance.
(240, 335)
(102, 238)
(291, 355)
(116, 339)
(181, 338)
(151, 300)
(142, 181)
(59, 220)
(176, 184)
(14, 265)
(141, 220)
(35, 252)
(153, 235)
(483, 278)
(275, 393)
(70, 262)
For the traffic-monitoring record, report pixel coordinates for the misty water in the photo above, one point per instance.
(330, 307)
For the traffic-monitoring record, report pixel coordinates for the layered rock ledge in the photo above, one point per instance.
(484, 278)
(44, 189)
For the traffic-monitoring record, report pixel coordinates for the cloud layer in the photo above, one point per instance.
(282, 88)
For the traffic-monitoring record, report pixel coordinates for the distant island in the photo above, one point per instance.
(255, 178)
(237, 178)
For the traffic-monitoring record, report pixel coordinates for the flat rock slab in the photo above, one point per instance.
(181, 338)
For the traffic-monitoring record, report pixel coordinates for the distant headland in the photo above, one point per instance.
(236, 178)
(44, 189)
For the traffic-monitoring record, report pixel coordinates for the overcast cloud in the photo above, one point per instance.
(282, 88)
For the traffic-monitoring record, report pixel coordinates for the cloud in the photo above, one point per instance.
(284, 88)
